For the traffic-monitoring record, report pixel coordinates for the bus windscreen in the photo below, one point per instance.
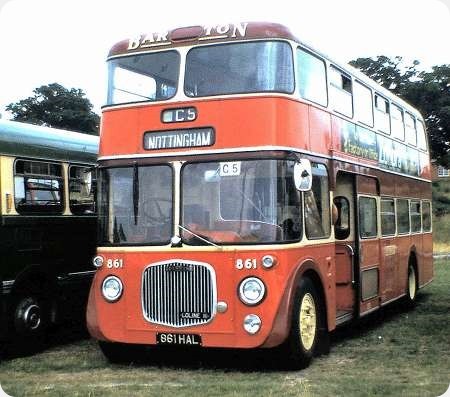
(238, 68)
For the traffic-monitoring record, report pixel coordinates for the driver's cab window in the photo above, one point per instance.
(241, 202)
(317, 204)
(137, 204)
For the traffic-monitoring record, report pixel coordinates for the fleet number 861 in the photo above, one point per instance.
(114, 263)
(246, 264)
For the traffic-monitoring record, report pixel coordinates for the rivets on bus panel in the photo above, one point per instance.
(98, 261)
(268, 261)
(222, 307)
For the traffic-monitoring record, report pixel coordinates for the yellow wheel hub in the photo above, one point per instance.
(412, 283)
(308, 321)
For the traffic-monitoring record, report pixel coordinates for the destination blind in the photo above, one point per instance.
(185, 138)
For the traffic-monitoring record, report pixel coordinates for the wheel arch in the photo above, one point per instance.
(36, 276)
(413, 261)
(283, 321)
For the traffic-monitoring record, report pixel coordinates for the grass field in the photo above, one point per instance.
(396, 352)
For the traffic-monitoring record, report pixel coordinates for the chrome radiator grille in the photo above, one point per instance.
(179, 293)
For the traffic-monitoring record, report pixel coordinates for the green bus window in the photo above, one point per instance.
(38, 187)
(82, 185)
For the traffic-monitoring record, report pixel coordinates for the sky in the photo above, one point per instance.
(66, 41)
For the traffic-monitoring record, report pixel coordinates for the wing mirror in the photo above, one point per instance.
(303, 175)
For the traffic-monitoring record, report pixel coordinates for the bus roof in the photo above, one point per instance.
(27, 140)
(188, 36)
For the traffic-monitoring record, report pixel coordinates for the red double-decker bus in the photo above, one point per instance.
(252, 193)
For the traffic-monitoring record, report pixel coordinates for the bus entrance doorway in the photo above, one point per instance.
(345, 248)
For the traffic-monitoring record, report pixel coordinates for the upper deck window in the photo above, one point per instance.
(239, 68)
(397, 123)
(363, 104)
(410, 129)
(312, 79)
(382, 122)
(142, 78)
(341, 92)
(421, 137)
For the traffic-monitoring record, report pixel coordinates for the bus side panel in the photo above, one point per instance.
(426, 271)
(403, 253)
(57, 249)
(319, 130)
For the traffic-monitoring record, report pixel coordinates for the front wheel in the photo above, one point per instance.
(306, 324)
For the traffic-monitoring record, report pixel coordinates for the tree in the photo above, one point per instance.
(387, 72)
(431, 95)
(427, 91)
(56, 106)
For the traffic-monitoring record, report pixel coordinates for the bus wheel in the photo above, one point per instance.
(305, 327)
(411, 288)
(121, 353)
(29, 322)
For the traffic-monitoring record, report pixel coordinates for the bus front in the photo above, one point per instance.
(200, 204)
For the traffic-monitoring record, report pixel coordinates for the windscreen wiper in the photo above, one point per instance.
(200, 237)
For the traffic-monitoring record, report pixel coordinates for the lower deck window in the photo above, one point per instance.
(367, 217)
(403, 216)
(426, 216)
(416, 218)
(387, 217)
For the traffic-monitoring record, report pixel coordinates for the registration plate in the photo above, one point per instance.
(163, 338)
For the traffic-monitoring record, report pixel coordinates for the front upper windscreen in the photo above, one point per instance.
(143, 78)
(265, 66)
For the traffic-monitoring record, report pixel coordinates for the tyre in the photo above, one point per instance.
(121, 353)
(29, 321)
(306, 326)
(411, 287)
